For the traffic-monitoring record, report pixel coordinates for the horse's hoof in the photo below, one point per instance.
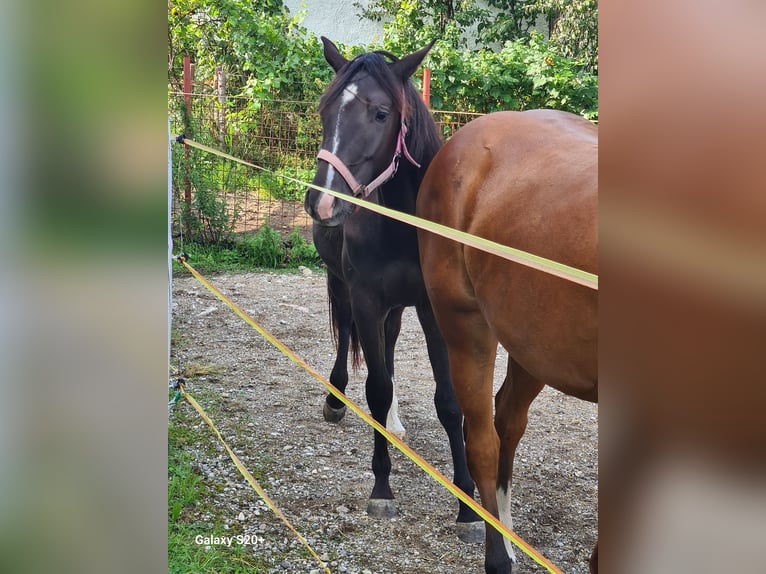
(471, 532)
(381, 508)
(332, 415)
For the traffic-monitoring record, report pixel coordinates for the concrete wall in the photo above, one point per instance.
(337, 20)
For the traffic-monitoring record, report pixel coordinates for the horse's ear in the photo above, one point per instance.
(332, 55)
(405, 67)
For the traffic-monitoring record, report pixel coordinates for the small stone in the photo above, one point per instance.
(207, 311)
(342, 509)
(241, 516)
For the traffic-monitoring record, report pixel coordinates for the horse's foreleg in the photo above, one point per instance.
(470, 527)
(511, 407)
(379, 391)
(341, 318)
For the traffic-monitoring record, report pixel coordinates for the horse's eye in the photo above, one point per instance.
(381, 116)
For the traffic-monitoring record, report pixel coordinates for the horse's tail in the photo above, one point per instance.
(354, 347)
(356, 355)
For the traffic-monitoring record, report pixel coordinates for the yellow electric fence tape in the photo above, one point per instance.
(540, 263)
(249, 477)
(412, 455)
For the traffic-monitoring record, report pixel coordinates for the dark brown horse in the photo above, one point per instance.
(378, 138)
(527, 180)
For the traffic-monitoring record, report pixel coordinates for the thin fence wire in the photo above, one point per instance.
(228, 199)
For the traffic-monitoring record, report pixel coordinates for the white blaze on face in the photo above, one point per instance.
(326, 201)
(504, 508)
(393, 424)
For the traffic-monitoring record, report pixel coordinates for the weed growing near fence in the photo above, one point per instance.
(264, 250)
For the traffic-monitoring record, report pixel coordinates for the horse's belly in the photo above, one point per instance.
(545, 323)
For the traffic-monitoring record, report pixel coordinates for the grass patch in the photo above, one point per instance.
(264, 250)
(197, 369)
(187, 557)
(176, 338)
(187, 495)
(190, 496)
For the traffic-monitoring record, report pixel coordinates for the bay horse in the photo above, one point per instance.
(376, 130)
(528, 180)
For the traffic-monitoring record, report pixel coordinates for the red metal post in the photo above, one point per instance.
(427, 87)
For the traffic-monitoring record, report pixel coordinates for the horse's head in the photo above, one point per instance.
(364, 111)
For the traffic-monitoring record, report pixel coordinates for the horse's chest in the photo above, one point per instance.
(397, 281)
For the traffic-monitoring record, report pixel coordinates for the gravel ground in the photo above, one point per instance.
(319, 474)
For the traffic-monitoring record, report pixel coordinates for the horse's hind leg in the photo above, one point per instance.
(342, 323)
(472, 350)
(511, 407)
(392, 327)
(379, 388)
(593, 562)
(470, 527)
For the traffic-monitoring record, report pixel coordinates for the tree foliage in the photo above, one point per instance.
(487, 58)
(573, 28)
(508, 65)
(572, 25)
(525, 74)
(264, 50)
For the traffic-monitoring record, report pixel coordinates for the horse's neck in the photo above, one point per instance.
(401, 191)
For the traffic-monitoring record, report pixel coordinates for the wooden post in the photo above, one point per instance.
(427, 87)
(187, 130)
(187, 83)
(220, 87)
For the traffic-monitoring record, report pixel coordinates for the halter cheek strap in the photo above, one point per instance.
(359, 189)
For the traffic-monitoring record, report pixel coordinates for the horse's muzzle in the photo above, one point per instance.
(325, 209)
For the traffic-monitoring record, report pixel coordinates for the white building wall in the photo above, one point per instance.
(337, 20)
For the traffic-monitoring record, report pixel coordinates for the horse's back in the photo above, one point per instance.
(527, 180)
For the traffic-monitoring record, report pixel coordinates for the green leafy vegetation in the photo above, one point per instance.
(524, 74)
(487, 58)
(572, 25)
(264, 51)
(265, 249)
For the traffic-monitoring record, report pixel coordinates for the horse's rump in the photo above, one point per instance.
(527, 180)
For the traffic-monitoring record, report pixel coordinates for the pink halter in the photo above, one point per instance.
(359, 189)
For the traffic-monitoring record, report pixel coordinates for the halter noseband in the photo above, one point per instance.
(359, 189)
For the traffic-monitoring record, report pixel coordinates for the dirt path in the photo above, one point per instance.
(319, 474)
